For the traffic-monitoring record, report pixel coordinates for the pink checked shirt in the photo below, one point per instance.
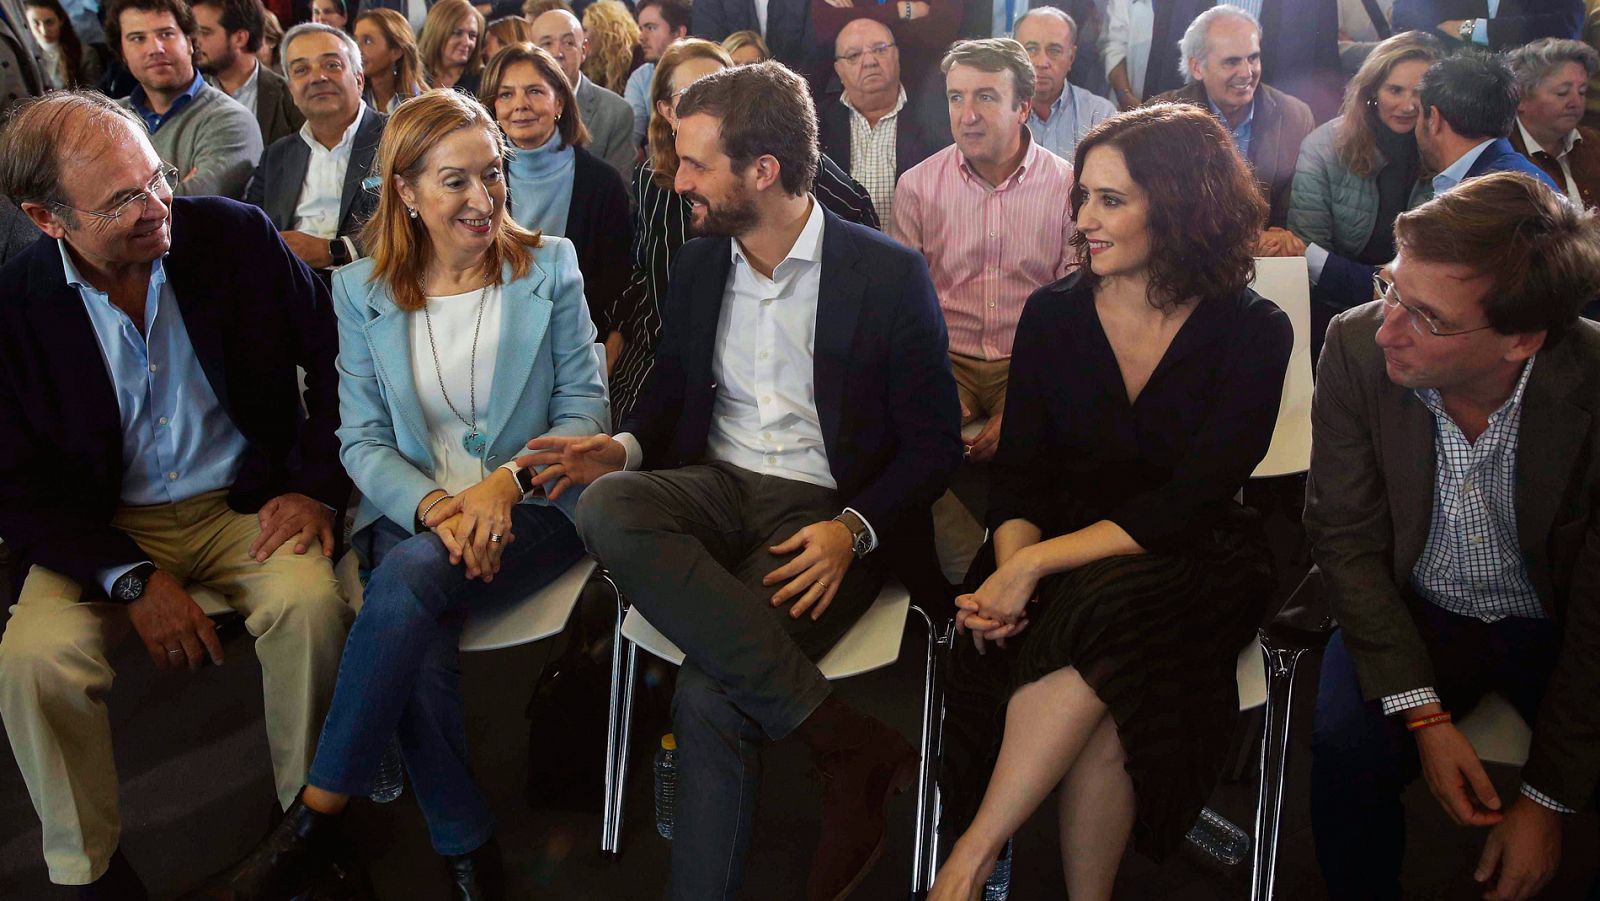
(988, 249)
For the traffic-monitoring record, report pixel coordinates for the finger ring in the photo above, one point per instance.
(823, 585)
(496, 537)
(174, 652)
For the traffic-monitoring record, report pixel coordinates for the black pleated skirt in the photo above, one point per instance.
(1157, 638)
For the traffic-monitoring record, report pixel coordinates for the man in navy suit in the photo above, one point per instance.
(800, 420)
(1469, 104)
(1496, 24)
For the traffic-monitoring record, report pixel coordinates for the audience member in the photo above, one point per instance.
(271, 34)
(444, 526)
(212, 140)
(613, 45)
(1113, 508)
(17, 231)
(503, 32)
(874, 124)
(784, 24)
(452, 55)
(331, 12)
(175, 326)
(607, 116)
(415, 12)
(391, 65)
(664, 215)
(1469, 104)
(746, 47)
(1222, 56)
(20, 77)
(555, 186)
(66, 61)
(991, 215)
(313, 185)
(753, 551)
(921, 30)
(1591, 36)
(1452, 508)
(1552, 83)
(1061, 112)
(1357, 173)
(999, 18)
(85, 18)
(226, 37)
(1509, 23)
(661, 22)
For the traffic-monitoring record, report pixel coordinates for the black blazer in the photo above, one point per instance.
(1518, 21)
(597, 224)
(790, 35)
(893, 438)
(276, 184)
(253, 313)
(916, 138)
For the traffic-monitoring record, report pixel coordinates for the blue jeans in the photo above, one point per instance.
(400, 674)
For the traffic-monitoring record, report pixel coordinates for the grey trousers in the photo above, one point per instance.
(689, 548)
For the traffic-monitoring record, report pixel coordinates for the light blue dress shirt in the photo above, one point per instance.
(1241, 132)
(637, 93)
(1480, 28)
(1456, 171)
(177, 441)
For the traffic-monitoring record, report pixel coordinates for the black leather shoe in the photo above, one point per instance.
(479, 875)
(298, 853)
(118, 883)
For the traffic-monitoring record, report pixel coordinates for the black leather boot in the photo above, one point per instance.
(298, 853)
(118, 883)
(479, 875)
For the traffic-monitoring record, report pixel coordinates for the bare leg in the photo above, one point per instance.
(1097, 812)
(323, 801)
(1048, 722)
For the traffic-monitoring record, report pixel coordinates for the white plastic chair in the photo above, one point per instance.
(871, 644)
(1497, 731)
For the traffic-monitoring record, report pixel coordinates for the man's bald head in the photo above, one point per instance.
(867, 63)
(51, 144)
(560, 34)
(862, 32)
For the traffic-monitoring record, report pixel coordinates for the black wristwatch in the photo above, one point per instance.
(130, 586)
(861, 538)
(339, 251)
(524, 477)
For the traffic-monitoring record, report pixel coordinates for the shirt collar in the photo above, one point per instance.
(155, 120)
(75, 279)
(807, 246)
(1430, 396)
(1029, 154)
(344, 142)
(1456, 171)
(255, 75)
(844, 98)
(1064, 101)
(1571, 138)
(1242, 127)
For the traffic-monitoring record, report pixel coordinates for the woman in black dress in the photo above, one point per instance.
(1144, 390)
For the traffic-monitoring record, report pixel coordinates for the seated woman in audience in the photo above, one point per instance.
(271, 35)
(1144, 390)
(331, 12)
(556, 186)
(67, 63)
(1357, 172)
(663, 216)
(746, 47)
(503, 32)
(452, 54)
(456, 297)
(389, 59)
(614, 50)
(1553, 79)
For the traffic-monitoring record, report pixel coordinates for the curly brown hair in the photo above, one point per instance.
(1205, 208)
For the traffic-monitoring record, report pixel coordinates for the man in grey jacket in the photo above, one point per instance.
(211, 140)
(608, 117)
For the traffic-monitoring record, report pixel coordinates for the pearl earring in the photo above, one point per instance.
(411, 212)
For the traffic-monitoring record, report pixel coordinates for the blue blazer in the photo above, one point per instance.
(546, 381)
(1517, 21)
(884, 392)
(1500, 156)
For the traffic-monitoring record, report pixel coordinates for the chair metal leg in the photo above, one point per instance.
(1280, 665)
(924, 854)
(622, 665)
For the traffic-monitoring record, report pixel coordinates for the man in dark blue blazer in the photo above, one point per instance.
(800, 421)
(1511, 24)
(152, 442)
(1469, 105)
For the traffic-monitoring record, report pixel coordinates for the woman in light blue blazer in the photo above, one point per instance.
(461, 337)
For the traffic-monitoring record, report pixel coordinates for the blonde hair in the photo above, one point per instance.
(408, 77)
(739, 40)
(663, 153)
(401, 249)
(510, 30)
(1356, 143)
(442, 19)
(533, 9)
(613, 38)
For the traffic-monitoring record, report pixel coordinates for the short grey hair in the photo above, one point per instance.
(994, 55)
(1193, 45)
(1533, 63)
(352, 52)
(31, 144)
(1049, 12)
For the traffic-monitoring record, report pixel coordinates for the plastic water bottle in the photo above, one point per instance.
(666, 784)
(390, 782)
(998, 886)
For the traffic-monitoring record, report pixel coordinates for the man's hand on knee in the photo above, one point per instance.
(175, 631)
(1456, 776)
(570, 460)
(1525, 850)
(815, 573)
(982, 447)
(293, 517)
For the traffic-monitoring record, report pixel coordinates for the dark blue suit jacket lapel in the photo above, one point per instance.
(839, 296)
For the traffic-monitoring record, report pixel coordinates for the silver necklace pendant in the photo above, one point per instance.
(474, 443)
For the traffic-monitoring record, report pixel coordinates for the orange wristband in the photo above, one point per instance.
(1432, 719)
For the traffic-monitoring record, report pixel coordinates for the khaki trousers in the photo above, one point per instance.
(54, 672)
(981, 385)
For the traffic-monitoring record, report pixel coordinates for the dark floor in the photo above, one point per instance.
(197, 794)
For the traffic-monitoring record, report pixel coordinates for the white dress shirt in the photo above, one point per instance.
(455, 322)
(1129, 26)
(1570, 187)
(761, 16)
(248, 92)
(317, 211)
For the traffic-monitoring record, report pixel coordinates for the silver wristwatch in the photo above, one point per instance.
(1468, 26)
(861, 538)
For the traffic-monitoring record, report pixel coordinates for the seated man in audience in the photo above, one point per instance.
(1508, 23)
(992, 214)
(1469, 105)
(211, 140)
(784, 24)
(1454, 508)
(660, 23)
(311, 184)
(154, 442)
(227, 36)
(1552, 81)
(1062, 112)
(1222, 58)
(779, 485)
(874, 127)
(607, 116)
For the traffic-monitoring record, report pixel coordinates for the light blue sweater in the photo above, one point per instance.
(541, 186)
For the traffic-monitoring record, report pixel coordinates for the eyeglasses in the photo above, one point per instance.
(854, 56)
(165, 179)
(1421, 322)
